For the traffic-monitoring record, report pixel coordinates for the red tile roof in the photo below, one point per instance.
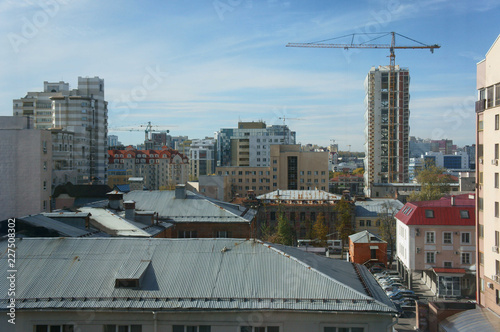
(448, 270)
(444, 213)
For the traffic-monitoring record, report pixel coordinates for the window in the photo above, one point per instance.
(464, 214)
(497, 121)
(191, 328)
(430, 237)
(481, 258)
(368, 223)
(187, 234)
(361, 223)
(54, 328)
(272, 216)
(496, 180)
(465, 238)
(448, 237)
(122, 328)
(430, 257)
(497, 151)
(429, 213)
(222, 234)
(259, 329)
(343, 329)
(497, 209)
(466, 258)
(448, 264)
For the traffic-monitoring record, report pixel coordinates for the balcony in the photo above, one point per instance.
(480, 105)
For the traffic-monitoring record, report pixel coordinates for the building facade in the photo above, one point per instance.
(387, 126)
(366, 248)
(487, 178)
(84, 113)
(25, 168)
(290, 169)
(437, 239)
(159, 168)
(202, 157)
(250, 143)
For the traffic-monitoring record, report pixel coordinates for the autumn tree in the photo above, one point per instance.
(320, 230)
(359, 171)
(343, 222)
(434, 183)
(387, 225)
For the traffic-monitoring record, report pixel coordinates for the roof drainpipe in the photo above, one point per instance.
(155, 323)
(390, 327)
(452, 200)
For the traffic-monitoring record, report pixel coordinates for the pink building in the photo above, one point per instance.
(437, 240)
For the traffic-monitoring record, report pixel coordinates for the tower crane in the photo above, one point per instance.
(148, 129)
(391, 86)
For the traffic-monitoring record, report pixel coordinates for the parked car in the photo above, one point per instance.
(407, 303)
(393, 287)
(403, 292)
(386, 273)
(390, 281)
(375, 269)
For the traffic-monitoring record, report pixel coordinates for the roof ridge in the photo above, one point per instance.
(366, 297)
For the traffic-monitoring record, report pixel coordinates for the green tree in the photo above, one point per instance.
(320, 230)
(434, 184)
(343, 222)
(285, 231)
(387, 226)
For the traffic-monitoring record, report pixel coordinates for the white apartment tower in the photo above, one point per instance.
(387, 127)
(81, 114)
(488, 179)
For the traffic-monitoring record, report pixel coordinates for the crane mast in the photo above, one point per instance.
(392, 121)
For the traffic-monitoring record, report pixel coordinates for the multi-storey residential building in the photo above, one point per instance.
(25, 168)
(351, 182)
(455, 161)
(437, 239)
(387, 127)
(488, 179)
(250, 143)
(113, 141)
(163, 168)
(290, 169)
(202, 157)
(83, 112)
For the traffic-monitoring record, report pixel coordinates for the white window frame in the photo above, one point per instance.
(461, 238)
(451, 238)
(433, 237)
(465, 254)
(433, 257)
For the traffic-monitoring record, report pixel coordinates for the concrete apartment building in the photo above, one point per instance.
(290, 169)
(163, 168)
(437, 238)
(387, 127)
(79, 119)
(25, 168)
(488, 179)
(202, 157)
(250, 143)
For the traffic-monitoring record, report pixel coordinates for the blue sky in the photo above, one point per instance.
(197, 66)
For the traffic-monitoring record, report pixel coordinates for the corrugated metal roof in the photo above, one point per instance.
(60, 227)
(373, 207)
(443, 213)
(193, 208)
(365, 237)
(300, 195)
(480, 319)
(214, 274)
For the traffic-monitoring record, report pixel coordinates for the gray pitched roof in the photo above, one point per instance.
(193, 208)
(62, 228)
(372, 207)
(365, 237)
(180, 274)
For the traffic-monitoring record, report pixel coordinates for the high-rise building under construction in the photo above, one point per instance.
(387, 127)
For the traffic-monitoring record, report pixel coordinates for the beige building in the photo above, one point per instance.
(290, 169)
(160, 169)
(25, 168)
(488, 183)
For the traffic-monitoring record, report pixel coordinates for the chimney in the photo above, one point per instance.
(115, 199)
(180, 191)
(129, 210)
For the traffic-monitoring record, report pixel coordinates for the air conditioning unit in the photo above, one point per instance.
(418, 250)
(456, 252)
(456, 233)
(494, 162)
(494, 249)
(490, 285)
(481, 161)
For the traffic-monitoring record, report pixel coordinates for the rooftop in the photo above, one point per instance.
(375, 206)
(365, 237)
(300, 195)
(183, 274)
